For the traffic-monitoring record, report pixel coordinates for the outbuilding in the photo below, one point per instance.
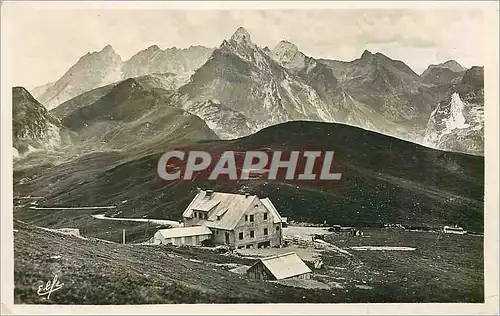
(192, 236)
(279, 267)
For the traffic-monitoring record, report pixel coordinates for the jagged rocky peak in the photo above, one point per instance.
(366, 55)
(285, 51)
(453, 65)
(153, 48)
(108, 49)
(146, 53)
(106, 53)
(241, 36)
(285, 46)
(21, 92)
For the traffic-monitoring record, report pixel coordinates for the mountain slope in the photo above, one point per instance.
(33, 127)
(249, 90)
(182, 62)
(160, 83)
(98, 69)
(388, 86)
(130, 117)
(91, 71)
(384, 180)
(373, 92)
(319, 76)
(123, 121)
(444, 73)
(37, 91)
(457, 123)
(452, 65)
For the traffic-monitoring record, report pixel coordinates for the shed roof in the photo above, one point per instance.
(285, 265)
(185, 231)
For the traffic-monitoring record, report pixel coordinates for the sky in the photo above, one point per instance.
(45, 42)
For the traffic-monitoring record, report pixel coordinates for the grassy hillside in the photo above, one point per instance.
(384, 180)
(97, 272)
(101, 273)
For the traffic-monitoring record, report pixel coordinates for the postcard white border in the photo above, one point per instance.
(490, 48)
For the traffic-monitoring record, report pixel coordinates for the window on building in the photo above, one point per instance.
(240, 235)
(265, 216)
(265, 231)
(195, 215)
(277, 228)
(252, 235)
(246, 218)
(251, 218)
(256, 205)
(217, 232)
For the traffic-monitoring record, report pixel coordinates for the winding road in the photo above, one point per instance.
(174, 224)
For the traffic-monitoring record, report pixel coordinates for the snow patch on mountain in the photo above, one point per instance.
(456, 119)
(456, 125)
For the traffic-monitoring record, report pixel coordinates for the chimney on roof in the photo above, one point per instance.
(247, 194)
(209, 193)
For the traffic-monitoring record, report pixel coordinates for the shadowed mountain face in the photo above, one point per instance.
(132, 118)
(162, 84)
(33, 127)
(124, 117)
(445, 73)
(457, 123)
(394, 95)
(451, 65)
(384, 180)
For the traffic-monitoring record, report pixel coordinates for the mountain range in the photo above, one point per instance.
(102, 146)
(97, 69)
(131, 116)
(239, 88)
(409, 148)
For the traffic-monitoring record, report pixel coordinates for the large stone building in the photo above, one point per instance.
(239, 221)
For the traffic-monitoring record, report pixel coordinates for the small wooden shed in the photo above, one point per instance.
(279, 267)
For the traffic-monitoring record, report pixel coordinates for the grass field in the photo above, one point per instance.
(443, 268)
(94, 272)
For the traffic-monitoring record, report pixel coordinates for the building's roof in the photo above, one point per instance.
(207, 206)
(285, 266)
(235, 204)
(185, 231)
(228, 207)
